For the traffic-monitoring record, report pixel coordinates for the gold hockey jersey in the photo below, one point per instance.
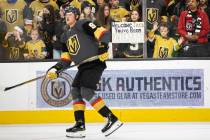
(35, 49)
(12, 13)
(77, 4)
(38, 6)
(164, 48)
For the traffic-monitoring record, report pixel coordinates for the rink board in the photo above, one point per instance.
(23, 105)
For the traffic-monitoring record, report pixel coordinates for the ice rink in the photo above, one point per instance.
(129, 131)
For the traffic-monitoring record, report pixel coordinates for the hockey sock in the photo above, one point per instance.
(79, 116)
(96, 101)
(106, 112)
(79, 108)
(99, 105)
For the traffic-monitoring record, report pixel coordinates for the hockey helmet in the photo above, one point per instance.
(72, 9)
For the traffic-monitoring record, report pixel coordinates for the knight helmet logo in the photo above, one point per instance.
(11, 15)
(163, 52)
(152, 15)
(14, 53)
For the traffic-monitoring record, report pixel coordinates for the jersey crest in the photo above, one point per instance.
(73, 45)
(14, 53)
(163, 52)
(152, 15)
(11, 15)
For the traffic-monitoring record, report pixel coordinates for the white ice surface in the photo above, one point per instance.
(129, 131)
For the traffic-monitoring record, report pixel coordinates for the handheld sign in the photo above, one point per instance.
(128, 32)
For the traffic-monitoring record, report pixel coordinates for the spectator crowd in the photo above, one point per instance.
(32, 29)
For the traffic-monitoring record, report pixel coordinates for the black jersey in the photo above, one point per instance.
(82, 41)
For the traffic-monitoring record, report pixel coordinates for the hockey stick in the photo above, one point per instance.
(28, 81)
(40, 77)
(23, 83)
(31, 80)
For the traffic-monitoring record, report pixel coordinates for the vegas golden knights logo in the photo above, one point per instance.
(163, 52)
(134, 4)
(57, 92)
(14, 53)
(152, 15)
(73, 45)
(58, 89)
(11, 15)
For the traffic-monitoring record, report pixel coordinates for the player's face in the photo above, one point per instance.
(164, 31)
(34, 35)
(70, 19)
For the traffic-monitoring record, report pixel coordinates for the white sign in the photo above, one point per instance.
(128, 32)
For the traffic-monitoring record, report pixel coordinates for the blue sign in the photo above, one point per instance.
(134, 88)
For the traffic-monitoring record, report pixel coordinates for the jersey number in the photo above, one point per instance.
(93, 26)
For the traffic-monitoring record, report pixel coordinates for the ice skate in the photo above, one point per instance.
(77, 131)
(112, 125)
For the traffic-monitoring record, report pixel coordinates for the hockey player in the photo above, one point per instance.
(82, 47)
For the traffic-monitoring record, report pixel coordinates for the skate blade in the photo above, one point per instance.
(80, 134)
(114, 127)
